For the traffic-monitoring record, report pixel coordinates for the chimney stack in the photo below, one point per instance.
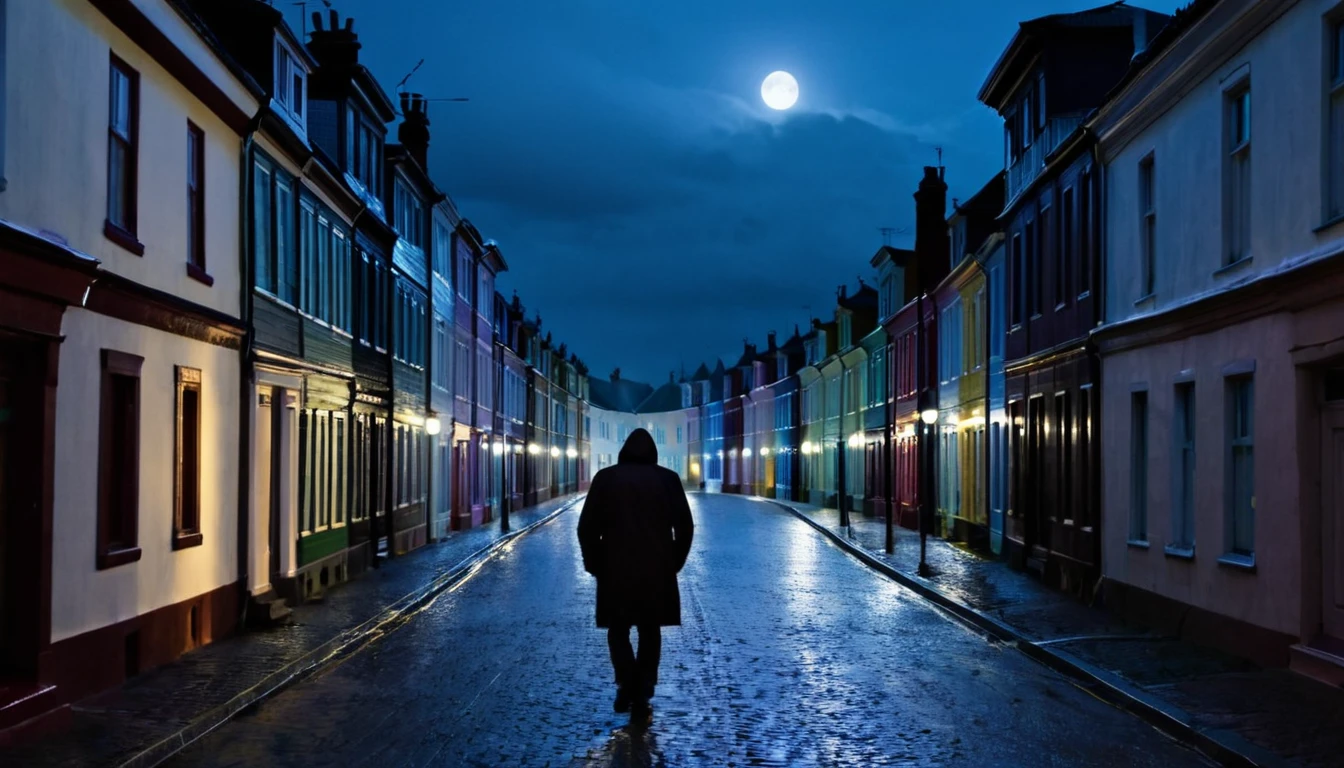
(770, 341)
(335, 47)
(615, 376)
(413, 133)
(931, 240)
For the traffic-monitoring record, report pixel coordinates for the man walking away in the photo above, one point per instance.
(635, 533)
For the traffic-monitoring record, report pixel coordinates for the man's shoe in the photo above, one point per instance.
(622, 699)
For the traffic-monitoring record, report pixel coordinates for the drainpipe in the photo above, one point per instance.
(245, 378)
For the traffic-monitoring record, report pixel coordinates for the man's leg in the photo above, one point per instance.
(650, 651)
(623, 663)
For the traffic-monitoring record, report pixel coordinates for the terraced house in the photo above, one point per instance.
(120, 362)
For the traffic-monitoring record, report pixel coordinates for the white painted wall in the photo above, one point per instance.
(1287, 65)
(84, 598)
(622, 423)
(56, 153)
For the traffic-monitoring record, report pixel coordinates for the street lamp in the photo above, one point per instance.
(571, 452)
(930, 417)
(555, 452)
(433, 426)
(533, 449)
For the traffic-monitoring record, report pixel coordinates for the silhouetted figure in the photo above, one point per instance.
(635, 533)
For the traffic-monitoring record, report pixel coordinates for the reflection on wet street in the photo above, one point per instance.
(790, 654)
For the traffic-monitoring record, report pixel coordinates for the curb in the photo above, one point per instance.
(344, 645)
(1226, 747)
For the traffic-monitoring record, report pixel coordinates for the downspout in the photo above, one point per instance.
(245, 377)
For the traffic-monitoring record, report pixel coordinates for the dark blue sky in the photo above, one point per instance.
(649, 205)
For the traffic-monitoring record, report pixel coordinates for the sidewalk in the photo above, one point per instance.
(1240, 713)
(150, 717)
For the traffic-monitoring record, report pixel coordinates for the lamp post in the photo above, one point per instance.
(930, 417)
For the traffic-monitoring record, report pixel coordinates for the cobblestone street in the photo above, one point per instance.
(791, 653)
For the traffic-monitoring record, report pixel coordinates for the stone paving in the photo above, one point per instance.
(111, 727)
(1294, 717)
(790, 653)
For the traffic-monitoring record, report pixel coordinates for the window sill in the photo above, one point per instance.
(115, 557)
(123, 238)
(198, 274)
(1146, 298)
(1327, 224)
(1235, 266)
(1180, 553)
(1137, 544)
(1085, 295)
(187, 540)
(1238, 562)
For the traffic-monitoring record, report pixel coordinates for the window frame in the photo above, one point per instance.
(1185, 472)
(1232, 554)
(112, 463)
(1237, 153)
(186, 495)
(196, 266)
(124, 233)
(1147, 226)
(1139, 436)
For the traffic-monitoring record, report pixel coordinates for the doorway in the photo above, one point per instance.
(22, 478)
(1332, 517)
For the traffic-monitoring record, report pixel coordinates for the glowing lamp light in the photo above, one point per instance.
(720, 454)
(571, 453)
(433, 426)
(533, 449)
(695, 467)
(855, 441)
(555, 452)
(746, 453)
(929, 417)
(765, 451)
(807, 447)
(517, 448)
(497, 448)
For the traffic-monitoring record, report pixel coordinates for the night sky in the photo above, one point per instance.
(650, 206)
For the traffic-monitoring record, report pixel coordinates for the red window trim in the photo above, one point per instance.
(125, 236)
(116, 363)
(196, 205)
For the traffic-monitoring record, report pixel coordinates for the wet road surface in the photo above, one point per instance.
(790, 653)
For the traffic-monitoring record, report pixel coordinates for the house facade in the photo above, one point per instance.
(1222, 342)
(120, 336)
(1052, 223)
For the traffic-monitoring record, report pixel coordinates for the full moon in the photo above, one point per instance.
(780, 90)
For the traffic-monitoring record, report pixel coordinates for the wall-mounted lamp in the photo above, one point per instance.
(555, 452)
(571, 453)
(929, 417)
(433, 426)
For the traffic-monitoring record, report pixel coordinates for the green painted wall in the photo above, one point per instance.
(319, 545)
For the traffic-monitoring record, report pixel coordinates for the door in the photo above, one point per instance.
(275, 412)
(8, 621)
(22, 469)
(1037, 533)
(1332, 519)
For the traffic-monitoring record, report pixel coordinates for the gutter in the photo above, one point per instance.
(245, 370)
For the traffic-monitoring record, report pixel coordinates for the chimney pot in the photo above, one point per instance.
(335, 20)
(349, 22)
(405, 103)
(317, 21)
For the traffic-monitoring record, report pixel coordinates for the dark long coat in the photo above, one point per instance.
(635, 532)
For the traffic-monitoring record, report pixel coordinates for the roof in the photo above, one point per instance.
(700, 374)
(864, 298)
(665, 398)
(1183, 19)
(897, 255)
(1026, 42)
(620, 395)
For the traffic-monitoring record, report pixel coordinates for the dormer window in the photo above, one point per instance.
(844, 331)
(290, 84)
(364, 151)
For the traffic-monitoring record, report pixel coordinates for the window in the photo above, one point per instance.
(409, 214)
(1183, 511)
(1019, 286)
(1138, 467)
(289, 84)
(465, 271)
(187, 479)
(273, 235)
(1335, 169)
(119, 459)
(442, 350)
(1033, 257)
(485, 294)
(1237, 184)
(123, 154)
(443, 243)
(1064, 504)
(195, 201)
(1064, 250)
(1241, 466)
(1147, 227)
(364, 152)
(1087, 229)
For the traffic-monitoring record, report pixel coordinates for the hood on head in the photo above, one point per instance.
(639, 449)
